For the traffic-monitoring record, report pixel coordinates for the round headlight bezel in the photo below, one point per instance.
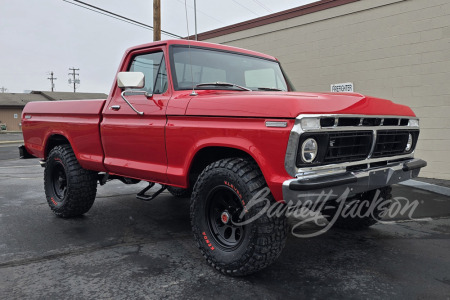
(310, 147)
(409, 143)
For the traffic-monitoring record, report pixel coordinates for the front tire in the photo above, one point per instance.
(70, 189)
(222, 192)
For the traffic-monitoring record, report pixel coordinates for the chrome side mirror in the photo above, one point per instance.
(130, 81)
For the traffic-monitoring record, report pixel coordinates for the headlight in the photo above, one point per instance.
(409, 143)
(309, 150)
(413, 123)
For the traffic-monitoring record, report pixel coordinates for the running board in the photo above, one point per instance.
(142, 196)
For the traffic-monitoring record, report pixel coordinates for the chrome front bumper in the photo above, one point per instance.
(332, 186)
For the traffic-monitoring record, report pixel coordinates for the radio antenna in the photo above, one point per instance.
(193, 93)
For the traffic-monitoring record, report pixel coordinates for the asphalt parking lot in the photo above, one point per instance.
(124, 248)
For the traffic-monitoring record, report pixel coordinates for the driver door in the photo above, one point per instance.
(133, 144)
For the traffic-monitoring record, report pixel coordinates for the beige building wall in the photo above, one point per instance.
(11, 116)
(394, 49)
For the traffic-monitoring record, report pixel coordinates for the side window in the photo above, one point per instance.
(154, 68)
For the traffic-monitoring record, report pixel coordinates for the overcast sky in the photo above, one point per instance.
(52, 35)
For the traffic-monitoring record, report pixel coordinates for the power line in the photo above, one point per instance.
(117, 16)
(125, 18)
(104, 14)
(202, 12)
(263, 6)
(246, 8)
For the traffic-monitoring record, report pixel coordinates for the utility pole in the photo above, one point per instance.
(3, 89)
(75, 81)
(156, 20)
(51, 78)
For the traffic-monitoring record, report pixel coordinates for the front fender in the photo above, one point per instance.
(267, 146)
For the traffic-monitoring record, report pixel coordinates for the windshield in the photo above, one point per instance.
(219, 70)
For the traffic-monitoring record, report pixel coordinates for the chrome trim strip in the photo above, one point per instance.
(281, 124)
(301, 116)
(301, 171)
(297, 131)
(359, 128)
(374, 142)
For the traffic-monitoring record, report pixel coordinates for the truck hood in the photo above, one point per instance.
(289, 104)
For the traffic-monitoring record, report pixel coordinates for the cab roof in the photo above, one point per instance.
(200, 44)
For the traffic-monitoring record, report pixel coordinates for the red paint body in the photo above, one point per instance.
(161, 145)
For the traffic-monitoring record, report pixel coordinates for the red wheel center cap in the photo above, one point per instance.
(225, 217)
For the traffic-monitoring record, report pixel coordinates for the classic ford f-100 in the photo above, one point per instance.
(223, 126)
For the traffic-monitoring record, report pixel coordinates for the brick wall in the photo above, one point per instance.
(394, 49)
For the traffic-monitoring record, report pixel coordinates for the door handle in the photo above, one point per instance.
(115, 107)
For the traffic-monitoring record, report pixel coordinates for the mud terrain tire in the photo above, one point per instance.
(222, 192)
(70, 189)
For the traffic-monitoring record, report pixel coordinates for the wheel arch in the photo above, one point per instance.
(53, 140)
(209, 154)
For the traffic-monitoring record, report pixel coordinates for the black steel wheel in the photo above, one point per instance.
(59, 181)
(222, 212)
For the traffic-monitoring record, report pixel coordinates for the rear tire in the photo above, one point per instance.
(221, 193)
(70, 189)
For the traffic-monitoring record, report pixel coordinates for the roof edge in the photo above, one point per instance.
(273, 18)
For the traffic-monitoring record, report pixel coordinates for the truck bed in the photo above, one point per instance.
(77, 120)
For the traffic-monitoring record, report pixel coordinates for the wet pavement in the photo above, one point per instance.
(124, 248)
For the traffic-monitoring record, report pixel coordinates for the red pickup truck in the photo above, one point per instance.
(220, 125)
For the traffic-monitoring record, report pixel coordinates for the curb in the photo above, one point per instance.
(11, 142)
(427, 187)
(9, 132)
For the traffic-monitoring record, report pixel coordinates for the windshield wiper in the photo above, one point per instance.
(269, 89)
(218, 83)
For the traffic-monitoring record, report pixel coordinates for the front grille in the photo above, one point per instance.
(393, 142)
(337, 147)
(347, 121)
(355, 145)
(348, 146)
